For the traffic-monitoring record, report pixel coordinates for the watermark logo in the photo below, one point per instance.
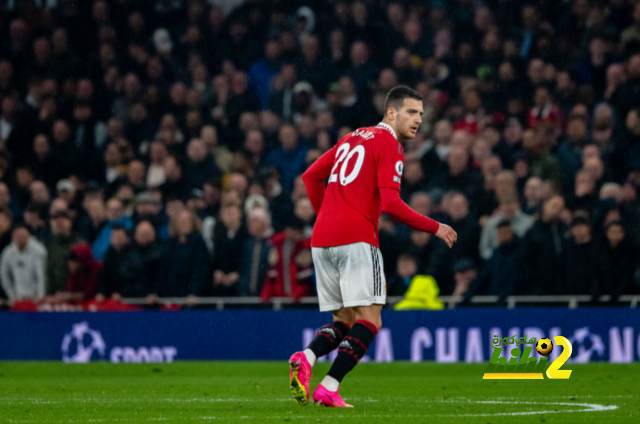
(527, 366)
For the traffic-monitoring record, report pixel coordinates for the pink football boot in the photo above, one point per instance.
(299, 377)
(324, 397)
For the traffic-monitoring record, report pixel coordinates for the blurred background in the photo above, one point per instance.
(151, 151)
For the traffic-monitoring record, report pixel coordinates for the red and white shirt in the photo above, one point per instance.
(358, 168)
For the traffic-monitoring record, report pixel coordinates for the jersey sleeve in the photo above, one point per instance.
(401, 212)
(390, 163)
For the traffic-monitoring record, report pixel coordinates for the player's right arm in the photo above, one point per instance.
(315, 176)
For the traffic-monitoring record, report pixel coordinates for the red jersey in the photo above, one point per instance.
(362, 163)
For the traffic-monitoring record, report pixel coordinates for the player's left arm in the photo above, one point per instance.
(390, 164)
(315, 176)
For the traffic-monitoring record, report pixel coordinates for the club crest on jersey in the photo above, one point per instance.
(399, 167)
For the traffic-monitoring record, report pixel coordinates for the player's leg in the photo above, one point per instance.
(355, 344)
(329, 336)
(363, 288)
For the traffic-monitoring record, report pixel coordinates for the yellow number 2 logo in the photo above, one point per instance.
(554, 370)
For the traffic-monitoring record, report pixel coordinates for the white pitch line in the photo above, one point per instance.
(589, 407)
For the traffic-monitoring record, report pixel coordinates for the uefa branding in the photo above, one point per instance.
(83, 344)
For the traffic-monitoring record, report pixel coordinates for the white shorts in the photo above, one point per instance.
(349, 275)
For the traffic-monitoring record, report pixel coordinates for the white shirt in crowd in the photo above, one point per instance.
(23, 272)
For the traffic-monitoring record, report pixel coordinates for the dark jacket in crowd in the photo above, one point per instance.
(143, 268)
(58, 251)
(500, 273)
(467, 245)
(398, 285)
(114, 277)
(618, 267)
(227, 254)
(198, 173)
(543, 259)
(254, 265)
(582, 263)
(187, 267)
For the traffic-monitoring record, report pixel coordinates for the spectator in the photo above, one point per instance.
(584, 195)
(465, 272)
(34, 219)
(39, 193)
(618, 263)
(533, 196)
(499, 275)
(263, 71)
(544, 250)
(22, 266)
(174, 186)
(187, 262)
(543, 164)
(155, 173)
(290, 158)
(135, 178)
(113, 166)
(228, 240)
(148, 209)
(253, 269)
(5, 200)
(422, 248)
(116, 281)
(201, 167)
(459, 177)
(570, 152)
(146, 264)
(406, 270)
(58, 251)
(67, 191)
(114, 214)
(96, 219)
(509, 210)
(6, 222)
(435, 158)
(465, 226)
(624, 97)
(582, 260)
(43, 163)
(290, 264)
(84, 274)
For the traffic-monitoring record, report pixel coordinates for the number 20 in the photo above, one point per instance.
(344, 155)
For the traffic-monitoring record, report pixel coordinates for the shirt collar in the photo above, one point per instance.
(388, 128)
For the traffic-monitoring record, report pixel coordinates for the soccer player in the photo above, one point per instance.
(364, 171)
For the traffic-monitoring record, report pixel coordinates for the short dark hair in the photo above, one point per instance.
(395, 97)
(21, 226)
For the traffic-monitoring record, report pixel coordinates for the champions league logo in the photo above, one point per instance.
(587, 344)
(84, 341)
(79, 345)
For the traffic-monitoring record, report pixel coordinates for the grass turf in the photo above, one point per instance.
(257, 392)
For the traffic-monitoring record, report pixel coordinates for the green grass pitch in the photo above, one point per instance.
(257, 392)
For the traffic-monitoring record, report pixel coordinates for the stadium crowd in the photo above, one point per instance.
(154, 148)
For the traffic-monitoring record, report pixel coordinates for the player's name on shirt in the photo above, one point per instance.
(362, 133)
